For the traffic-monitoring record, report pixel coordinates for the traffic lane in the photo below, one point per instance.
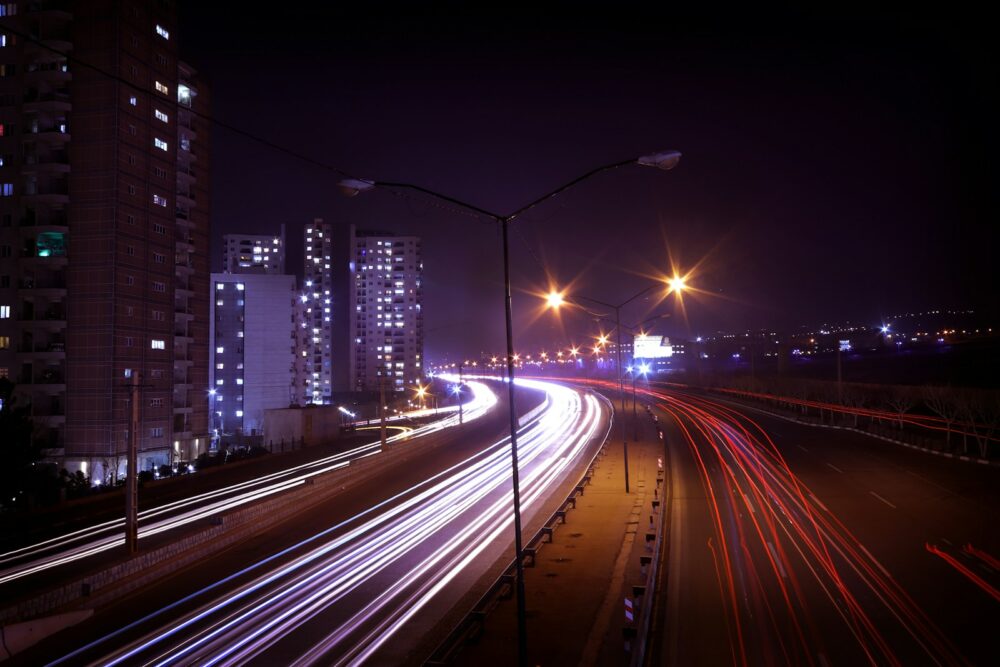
(773, 609)
(469, 586)
(696, 628)
(457, 444)
(768, 608)
(895, 501)
(45, 560)
(24, 528)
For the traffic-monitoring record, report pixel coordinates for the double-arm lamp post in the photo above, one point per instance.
(556, 299)
(352, 186)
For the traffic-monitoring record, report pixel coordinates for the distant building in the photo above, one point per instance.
(386, 319)
(314, 350)
(254, 253)
(104, 210)
(253, 349)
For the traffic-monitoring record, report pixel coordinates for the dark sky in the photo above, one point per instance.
(836, 166)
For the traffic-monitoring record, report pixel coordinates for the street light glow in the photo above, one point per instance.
(677, 284)
(554, 299)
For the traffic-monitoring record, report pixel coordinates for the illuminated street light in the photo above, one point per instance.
(354, 186)
(603, 340)
(554, 299)
(677, 284)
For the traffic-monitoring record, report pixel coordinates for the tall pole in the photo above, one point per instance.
(522, 626)
(132, 474)
(381, 402)
(840, 386)
(460, 383)
(635, 419)
(621, 389)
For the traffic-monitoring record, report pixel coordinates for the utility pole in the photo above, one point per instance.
(840, 386)
(381, 401)
(460, 383)
(635, 419)
(132, 474)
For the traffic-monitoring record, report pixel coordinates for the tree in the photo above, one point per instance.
(943, 402)
(19, 453)
(901, 400)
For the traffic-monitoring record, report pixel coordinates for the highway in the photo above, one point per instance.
(85, 545)
(808, 546)
(363, 579)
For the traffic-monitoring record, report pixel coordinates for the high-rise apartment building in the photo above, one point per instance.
(254, 253)
(253, 349)
(386, 322)
(314, 364)
(103, 228)
(359, 312)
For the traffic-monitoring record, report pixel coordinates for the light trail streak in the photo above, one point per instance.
(759, 553)
(410, 551)
(84, 543)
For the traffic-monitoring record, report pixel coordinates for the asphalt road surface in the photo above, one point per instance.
(799, 545)
(360, 579)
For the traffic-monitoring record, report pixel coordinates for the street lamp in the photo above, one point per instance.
(618, 351)
(354, 186)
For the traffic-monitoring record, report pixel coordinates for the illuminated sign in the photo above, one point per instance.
(651, 347)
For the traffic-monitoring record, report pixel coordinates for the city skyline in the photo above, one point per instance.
(838, 170)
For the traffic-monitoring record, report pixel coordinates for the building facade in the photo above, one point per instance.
(103, 229)
(254, 253)
(314, 364)
(253, 349)
(386, 319)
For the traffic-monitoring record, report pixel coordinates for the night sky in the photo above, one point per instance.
(836, 167)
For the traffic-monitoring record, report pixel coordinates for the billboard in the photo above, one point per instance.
(651, 347)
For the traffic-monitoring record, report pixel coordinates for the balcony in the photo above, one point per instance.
(42, 350)
(52, 73)
(35, 102)
(50, 286)
(55, 134)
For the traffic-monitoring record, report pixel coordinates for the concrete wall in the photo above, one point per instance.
(314, 425)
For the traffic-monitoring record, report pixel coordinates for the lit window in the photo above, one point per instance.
(160, 115)
(162, 32)
(239, 413)
(160, 143)
(220, 381)
(160, 201)
(157, 344)
(160, 88)
(239, 380)
(184, 95)
(220, 367)
(239, 286)
(4, 312)
(220, 350)
(132, 100)
(219, 286)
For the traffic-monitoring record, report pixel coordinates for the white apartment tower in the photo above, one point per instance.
(386, 323)
(254, 253)
(314, 362)
(253, 348)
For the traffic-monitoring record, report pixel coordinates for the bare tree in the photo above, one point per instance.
(901, 400)
(982, 411)
(856, 398)
(943, 402)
